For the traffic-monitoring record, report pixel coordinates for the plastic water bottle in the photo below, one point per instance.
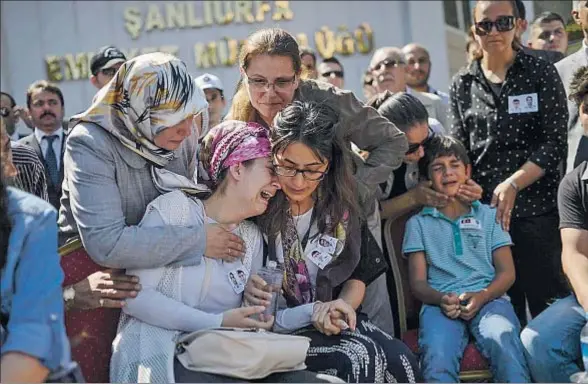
(273, 275)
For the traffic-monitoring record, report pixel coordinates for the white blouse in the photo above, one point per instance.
(203, 301)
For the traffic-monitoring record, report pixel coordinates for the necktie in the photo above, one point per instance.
(51, 160)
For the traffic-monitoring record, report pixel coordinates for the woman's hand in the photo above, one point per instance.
(107, 289)
(239, 318)
(504, 200)
(469, 192)
(223, 244)
(425, 195)
(254, 293)
(326, 317)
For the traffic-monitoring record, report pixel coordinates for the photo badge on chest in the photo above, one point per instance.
(319, 257)
(238, 279)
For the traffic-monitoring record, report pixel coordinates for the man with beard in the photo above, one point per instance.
(45, 103)
(418, 70)
(577, 143)
(388, 68)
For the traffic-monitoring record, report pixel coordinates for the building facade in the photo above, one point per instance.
(55, 40)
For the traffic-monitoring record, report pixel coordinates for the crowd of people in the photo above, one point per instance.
(150, 215)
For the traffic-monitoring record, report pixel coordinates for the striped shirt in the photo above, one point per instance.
(458, 252)
(31, 173)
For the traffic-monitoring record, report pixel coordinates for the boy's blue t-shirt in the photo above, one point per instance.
(458, 252)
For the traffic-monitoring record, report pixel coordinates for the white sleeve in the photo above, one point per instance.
(155, 308)
(257, 257)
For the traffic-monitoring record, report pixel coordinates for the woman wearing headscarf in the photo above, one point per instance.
(205, 296)
(137, 140)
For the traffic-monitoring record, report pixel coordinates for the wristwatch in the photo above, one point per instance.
(69, 294)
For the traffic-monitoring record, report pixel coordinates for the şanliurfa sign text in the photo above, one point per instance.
(186, 15)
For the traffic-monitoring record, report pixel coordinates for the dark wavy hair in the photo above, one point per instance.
(5, 223)
(316, 126)
(401, 108)
(579, 85)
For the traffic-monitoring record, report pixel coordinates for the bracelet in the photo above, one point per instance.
(514, 185)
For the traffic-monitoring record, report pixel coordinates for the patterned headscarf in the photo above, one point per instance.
(234, 142)
(148, 94)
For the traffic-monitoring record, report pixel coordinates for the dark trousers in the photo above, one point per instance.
(537, 258)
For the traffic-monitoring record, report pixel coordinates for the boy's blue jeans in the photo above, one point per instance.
(552, 341)
(495, 330)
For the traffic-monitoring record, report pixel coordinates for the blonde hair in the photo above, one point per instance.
(268, 41)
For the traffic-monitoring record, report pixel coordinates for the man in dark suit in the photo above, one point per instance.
(45, 103)
(577, 143)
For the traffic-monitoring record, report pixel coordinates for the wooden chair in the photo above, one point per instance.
(474, 367)
(90, 332)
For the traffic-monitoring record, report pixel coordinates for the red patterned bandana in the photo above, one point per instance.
(236, 142)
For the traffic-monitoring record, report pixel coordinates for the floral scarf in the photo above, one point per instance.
(148, 94)
(298, 287)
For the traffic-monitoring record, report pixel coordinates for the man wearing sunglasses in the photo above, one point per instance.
(104, 65)
(388, 68)
(331, 71)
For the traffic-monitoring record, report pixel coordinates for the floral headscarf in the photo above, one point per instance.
(148, 94)
(234, 142)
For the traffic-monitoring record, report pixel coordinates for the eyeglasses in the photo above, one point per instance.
(4, 112)
(338, 74)
(110, 72)
(502, 24)
(388, 64)
(306, 173)
(412, 148)
(263, 84)
(546, 35)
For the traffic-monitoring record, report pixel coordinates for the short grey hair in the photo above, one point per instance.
(579, 3)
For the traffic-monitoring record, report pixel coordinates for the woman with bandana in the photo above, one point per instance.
(136, 141)
(193, 298)
(324, 281)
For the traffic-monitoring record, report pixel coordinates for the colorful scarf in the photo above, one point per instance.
(235, 142)
(148, 94)
(298, 288)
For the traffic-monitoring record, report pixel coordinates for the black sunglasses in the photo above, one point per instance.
(412, 148)
(333, 74)
(388, 64)
(502, 24)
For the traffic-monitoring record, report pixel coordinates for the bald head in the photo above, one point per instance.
(414, 48)
(418, 66)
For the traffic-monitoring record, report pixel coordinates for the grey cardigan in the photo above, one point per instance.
(106, 189)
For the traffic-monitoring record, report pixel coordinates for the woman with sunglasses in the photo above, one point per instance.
(313, 230)
(271, 79)
(516, 152)
(402, 192)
